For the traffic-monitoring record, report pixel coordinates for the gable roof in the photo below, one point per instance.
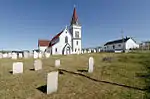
(117, 41)
(43, 42)
(54, 38)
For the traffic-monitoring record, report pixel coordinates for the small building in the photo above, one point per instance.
(43, 44)
(124, 44)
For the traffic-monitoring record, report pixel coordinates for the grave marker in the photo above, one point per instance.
(17, 67)
(37, 64)
(57, 63)
(91, 64)
(52, 82)
(14, 55)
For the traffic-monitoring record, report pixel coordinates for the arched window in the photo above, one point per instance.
(75, 50)
(77, 42)
(55, 49)
(66, 39)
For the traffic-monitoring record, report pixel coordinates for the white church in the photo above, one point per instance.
(68, 41)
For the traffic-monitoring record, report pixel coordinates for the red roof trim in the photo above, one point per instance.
(43, 42)
(55, 37)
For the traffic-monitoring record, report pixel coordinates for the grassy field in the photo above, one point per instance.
(124, 77)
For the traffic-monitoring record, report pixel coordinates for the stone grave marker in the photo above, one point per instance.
(26, 54)
(1, 55)
(47, 55)
(14, 55)
(17, 67)
(5, 55)
(91, 64)
(52, 82)
(57, 63)
(37, 64)
(20, 55)
(40, 55)
(36, 55)
(9, 55)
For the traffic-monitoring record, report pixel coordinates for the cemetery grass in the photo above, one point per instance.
(128, 69)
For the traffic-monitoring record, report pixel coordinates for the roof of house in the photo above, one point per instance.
(117, 41)
(43, 42)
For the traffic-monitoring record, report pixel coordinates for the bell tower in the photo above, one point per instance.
(75, 30)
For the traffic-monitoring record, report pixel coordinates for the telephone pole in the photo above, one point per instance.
(123, 45)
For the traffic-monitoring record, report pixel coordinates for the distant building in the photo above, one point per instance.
(121, 45)
(43, 44)
(145, 45)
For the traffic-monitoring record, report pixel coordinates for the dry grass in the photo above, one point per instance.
(123, 69)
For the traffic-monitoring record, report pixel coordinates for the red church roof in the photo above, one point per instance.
(55, 37)
(43, 42)
(74, 17)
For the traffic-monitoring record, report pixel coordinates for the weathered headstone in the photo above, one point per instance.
(91, 65)
(20, 55)
(17, 67)
(52, 82)
(57, 63)
(14, 55)
(26, 54)
(37, 64)
(1, 55)
(84, 51)
(5, 55)
(36, 55)
(47, 55)
(94, 50)
(9, 55)
(40, 55)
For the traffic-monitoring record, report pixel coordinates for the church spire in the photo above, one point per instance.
(74, 18)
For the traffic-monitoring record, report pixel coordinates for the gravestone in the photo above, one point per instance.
(20, 55)
(94, 50)
(57, 63)
(14, 55)
(26, 54)
(37, 64)
(91, 64)
(9, 55)
(40, 55)
(84, 51)
(47, 55)
(36, 55)
(52, 82)
(5, 55)
(1, 55)
(17, 67)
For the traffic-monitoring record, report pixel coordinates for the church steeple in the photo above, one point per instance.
(74, 20)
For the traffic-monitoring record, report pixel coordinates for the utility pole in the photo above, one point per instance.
(123, 45)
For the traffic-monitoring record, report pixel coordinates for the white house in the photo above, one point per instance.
(68, 41)
(121, 45)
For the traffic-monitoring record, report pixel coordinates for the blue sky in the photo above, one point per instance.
(23, 22)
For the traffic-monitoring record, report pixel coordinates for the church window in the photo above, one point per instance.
(66, 39)
(113, 46)
(55, 49)
(77, 42)
(78, 49)
(75, 50)
(76, 34)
